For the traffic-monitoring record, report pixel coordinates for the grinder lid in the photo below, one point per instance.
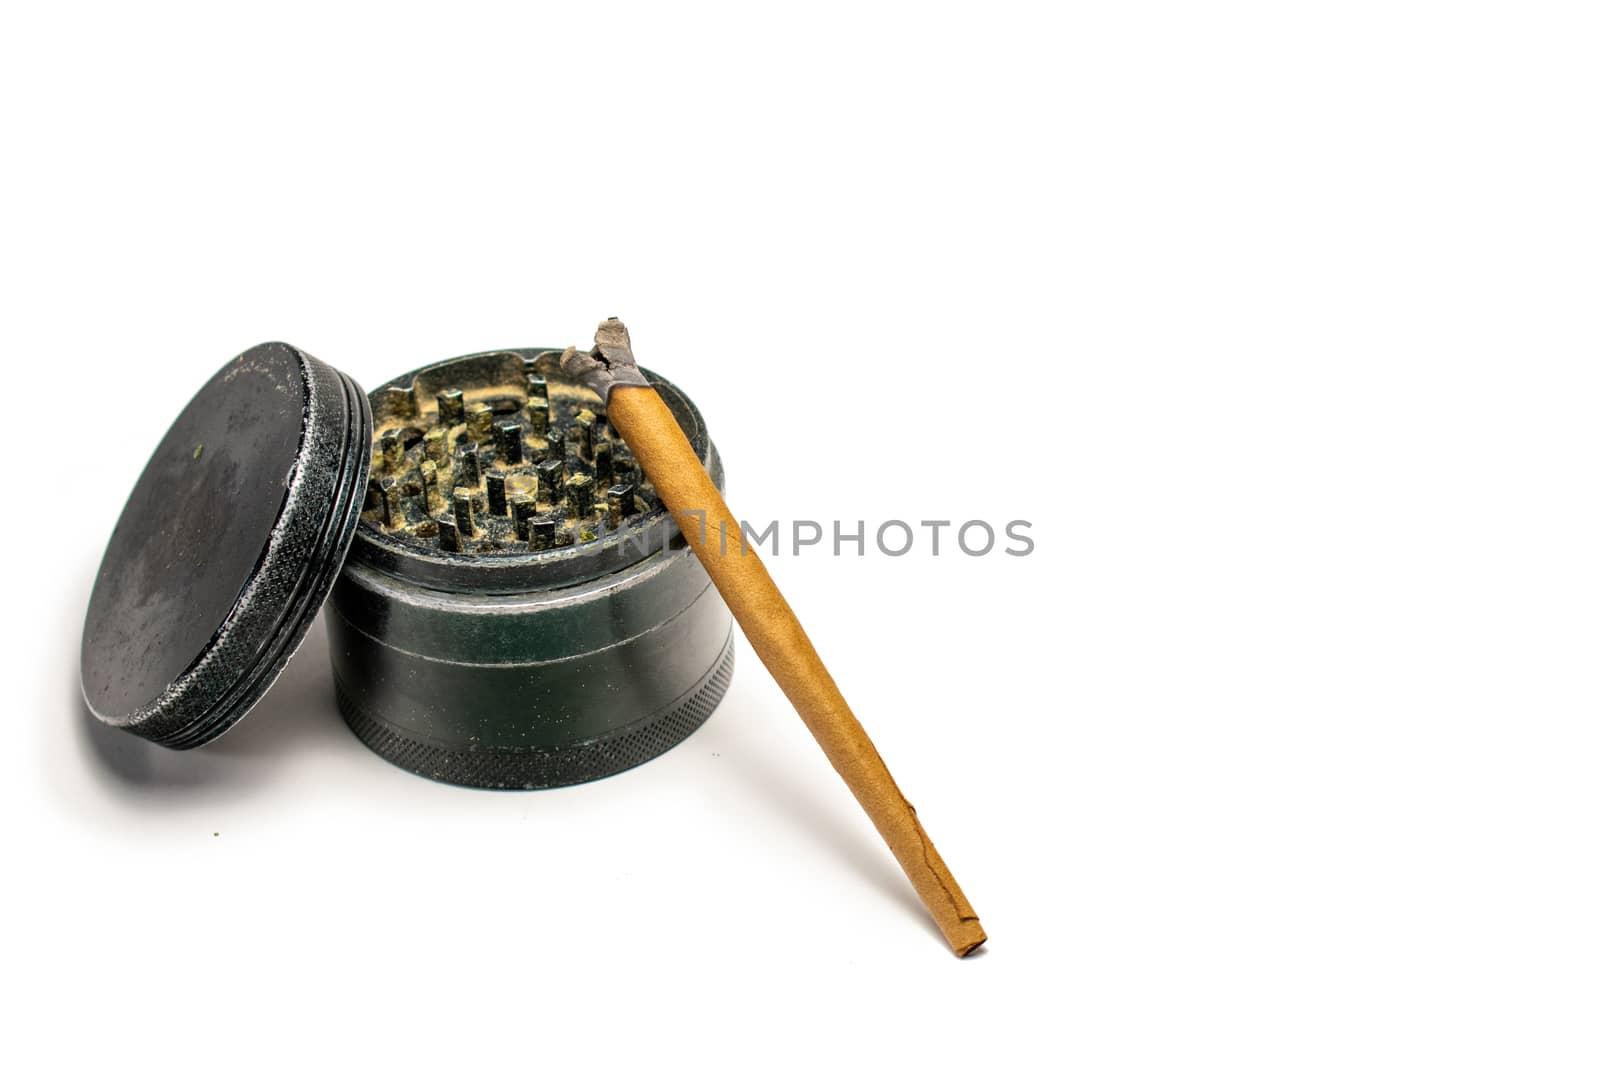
(227, 547)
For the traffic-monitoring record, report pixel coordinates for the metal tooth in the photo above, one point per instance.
(389, 501)
(602, 513)
(602, 463)
(583, 431)
(621, 499)
(542, 533)
(508, 439)
(449, 536)
(580, 493)
(621, 469)
(537, 387)
(452, 407)
(437, 444)
(552, 474)
(402, 402)
(539, 414)
(558, 444)
(497, 493)
(522, 509)
(462, 503)
(468, 468)
(480, 422)
(429, 473)
(394, 449)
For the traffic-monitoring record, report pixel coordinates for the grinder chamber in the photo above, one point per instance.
(518, 610)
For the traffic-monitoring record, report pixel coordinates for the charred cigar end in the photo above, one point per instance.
(609, 364)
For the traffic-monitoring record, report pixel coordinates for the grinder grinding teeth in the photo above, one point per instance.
(504, 619)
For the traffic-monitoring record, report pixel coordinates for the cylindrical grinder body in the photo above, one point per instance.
(498, 665)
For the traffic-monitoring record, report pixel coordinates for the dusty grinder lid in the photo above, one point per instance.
(227, 547)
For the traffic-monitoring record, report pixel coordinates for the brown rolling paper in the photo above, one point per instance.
(651, 432)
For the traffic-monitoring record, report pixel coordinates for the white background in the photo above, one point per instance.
(1277, 321)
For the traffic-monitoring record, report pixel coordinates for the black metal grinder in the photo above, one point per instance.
(518, 609)
(515, 609)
